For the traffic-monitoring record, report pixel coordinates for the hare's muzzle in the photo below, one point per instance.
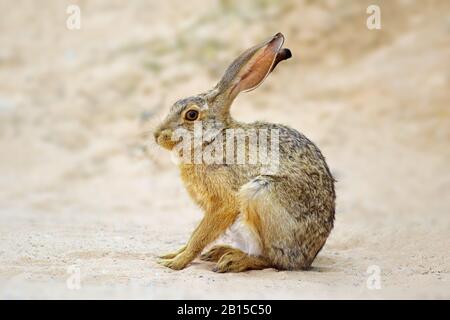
(163, 137)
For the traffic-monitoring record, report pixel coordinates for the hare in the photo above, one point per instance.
(281, 219)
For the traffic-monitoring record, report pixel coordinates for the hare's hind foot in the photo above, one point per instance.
(215, 253)
(236, 260)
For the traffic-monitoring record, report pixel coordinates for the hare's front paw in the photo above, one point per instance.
(169, 255)
(172, 254)
(177, 263)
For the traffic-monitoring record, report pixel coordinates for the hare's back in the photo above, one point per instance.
(302, 179)
(296, 151)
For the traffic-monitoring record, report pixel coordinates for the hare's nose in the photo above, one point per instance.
(165, 134)
(156, 134)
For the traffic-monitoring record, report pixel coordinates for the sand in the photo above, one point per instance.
(85, 192)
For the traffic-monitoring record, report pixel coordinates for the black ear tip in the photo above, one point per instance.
(278, 35)
(287, 53)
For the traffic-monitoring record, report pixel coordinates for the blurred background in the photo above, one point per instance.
(82, 186)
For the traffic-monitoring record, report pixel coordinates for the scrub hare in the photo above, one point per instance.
(282, 219)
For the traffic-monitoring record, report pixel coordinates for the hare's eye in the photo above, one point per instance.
(191, 115)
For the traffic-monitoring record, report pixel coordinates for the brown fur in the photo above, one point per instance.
(290, 213)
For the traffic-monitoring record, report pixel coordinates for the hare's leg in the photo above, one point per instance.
(236, 260)
(290, 240)
(266, 221)
(213, 224)
(172, 255)
(215, 253)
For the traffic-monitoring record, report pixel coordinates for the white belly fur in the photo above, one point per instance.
(244, 238)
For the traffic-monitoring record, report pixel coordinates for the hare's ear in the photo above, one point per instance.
(250, 69)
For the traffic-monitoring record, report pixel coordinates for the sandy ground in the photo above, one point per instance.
(83, 190)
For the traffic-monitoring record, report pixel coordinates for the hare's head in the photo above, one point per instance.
(211, 110)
